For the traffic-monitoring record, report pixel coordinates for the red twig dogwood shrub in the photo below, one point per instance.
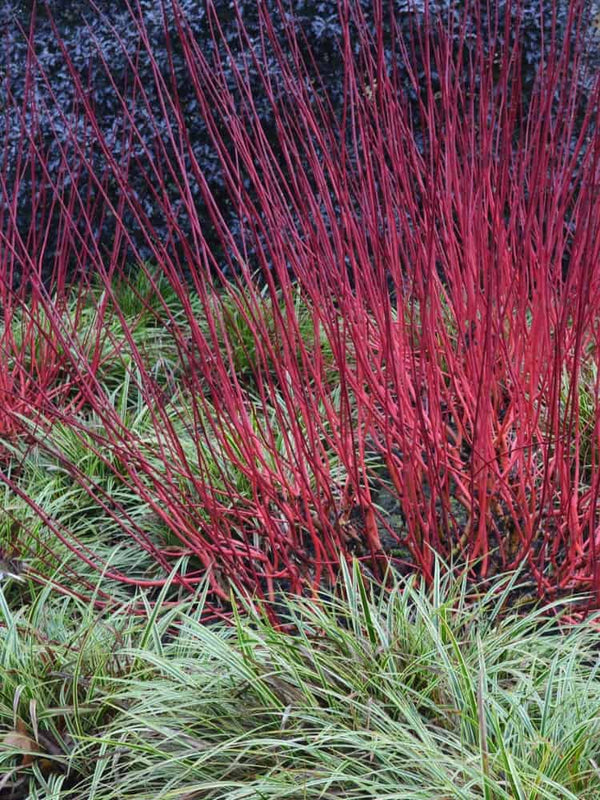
(423, 333)
(35, 372)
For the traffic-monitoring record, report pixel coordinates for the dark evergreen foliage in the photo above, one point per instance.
(86, 30)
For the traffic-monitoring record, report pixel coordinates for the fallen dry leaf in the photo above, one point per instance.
(18, 740)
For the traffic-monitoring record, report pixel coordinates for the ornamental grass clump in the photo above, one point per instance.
(441, 691)
(384, 358)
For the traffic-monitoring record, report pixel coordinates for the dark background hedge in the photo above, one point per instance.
(318, 21)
